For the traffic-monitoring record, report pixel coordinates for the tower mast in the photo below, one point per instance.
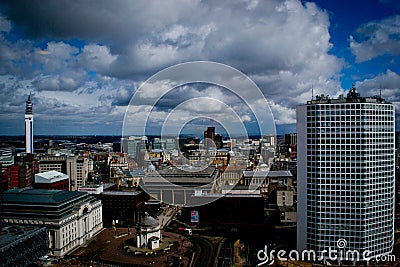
(28, 126)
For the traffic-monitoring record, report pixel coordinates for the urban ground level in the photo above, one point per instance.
(222, 247)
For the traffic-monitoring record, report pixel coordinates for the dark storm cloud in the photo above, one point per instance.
(92, 54)
(146, 36)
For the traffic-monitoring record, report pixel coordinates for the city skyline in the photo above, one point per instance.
(82, 65)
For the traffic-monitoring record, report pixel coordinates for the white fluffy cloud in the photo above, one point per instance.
(377, 38)
(97, 58)
(388, 84)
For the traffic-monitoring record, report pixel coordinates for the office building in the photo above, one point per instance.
(78, 169)
(133, 144)
(20, 175)
(52, 163)
(209, 136)
(170, 144)
(281, 198)
(135, 147)
(3, 179)
(6, 156)
(291, 139)
(346, 173)
(121, 206)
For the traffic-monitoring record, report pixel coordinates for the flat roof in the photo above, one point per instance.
(39, 196)
(121, 193)
(50, 177)
(287, 208)
(352, 97)
(184, 170)
(280, 173)
(258, 174)
(231, 195)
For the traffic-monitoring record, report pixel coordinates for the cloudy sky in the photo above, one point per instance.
(82, 61)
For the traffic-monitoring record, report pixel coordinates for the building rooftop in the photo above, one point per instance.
(121, 193)
(267, 174)
(352, 97)
(220, 195)
(287, 209)
(148, 221)
(138, 172)
(184, 171)
(286, 173)
(50, 177)
(39, 196)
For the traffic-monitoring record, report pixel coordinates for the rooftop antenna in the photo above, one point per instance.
(380, 91)
(312, 92)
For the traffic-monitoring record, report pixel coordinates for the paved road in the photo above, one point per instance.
(225, 256)
(165, 217)
(204, 252)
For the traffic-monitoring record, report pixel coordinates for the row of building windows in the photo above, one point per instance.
(341, 194)
(349, 116)
(352, 106)
(326, 169)
(377, 131)
(348, 138)
(360, 243)
(331, 187)
(348, 146)
(342, 122)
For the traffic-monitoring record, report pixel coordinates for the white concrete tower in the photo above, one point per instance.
(29, 127)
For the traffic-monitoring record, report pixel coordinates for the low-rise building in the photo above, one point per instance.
(51, 180)
(91, 189)
(122, 206)
(148, 233)
(282, 199)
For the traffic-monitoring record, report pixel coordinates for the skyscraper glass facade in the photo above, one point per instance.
(346, 174)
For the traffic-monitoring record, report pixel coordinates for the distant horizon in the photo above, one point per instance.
(82, 65)
(115, 135)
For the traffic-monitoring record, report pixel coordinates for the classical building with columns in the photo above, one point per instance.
(71, 217)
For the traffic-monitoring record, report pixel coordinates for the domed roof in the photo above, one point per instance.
(148, 221)
(151, 167)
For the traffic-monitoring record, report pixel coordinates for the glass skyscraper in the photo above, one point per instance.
(346, 168)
